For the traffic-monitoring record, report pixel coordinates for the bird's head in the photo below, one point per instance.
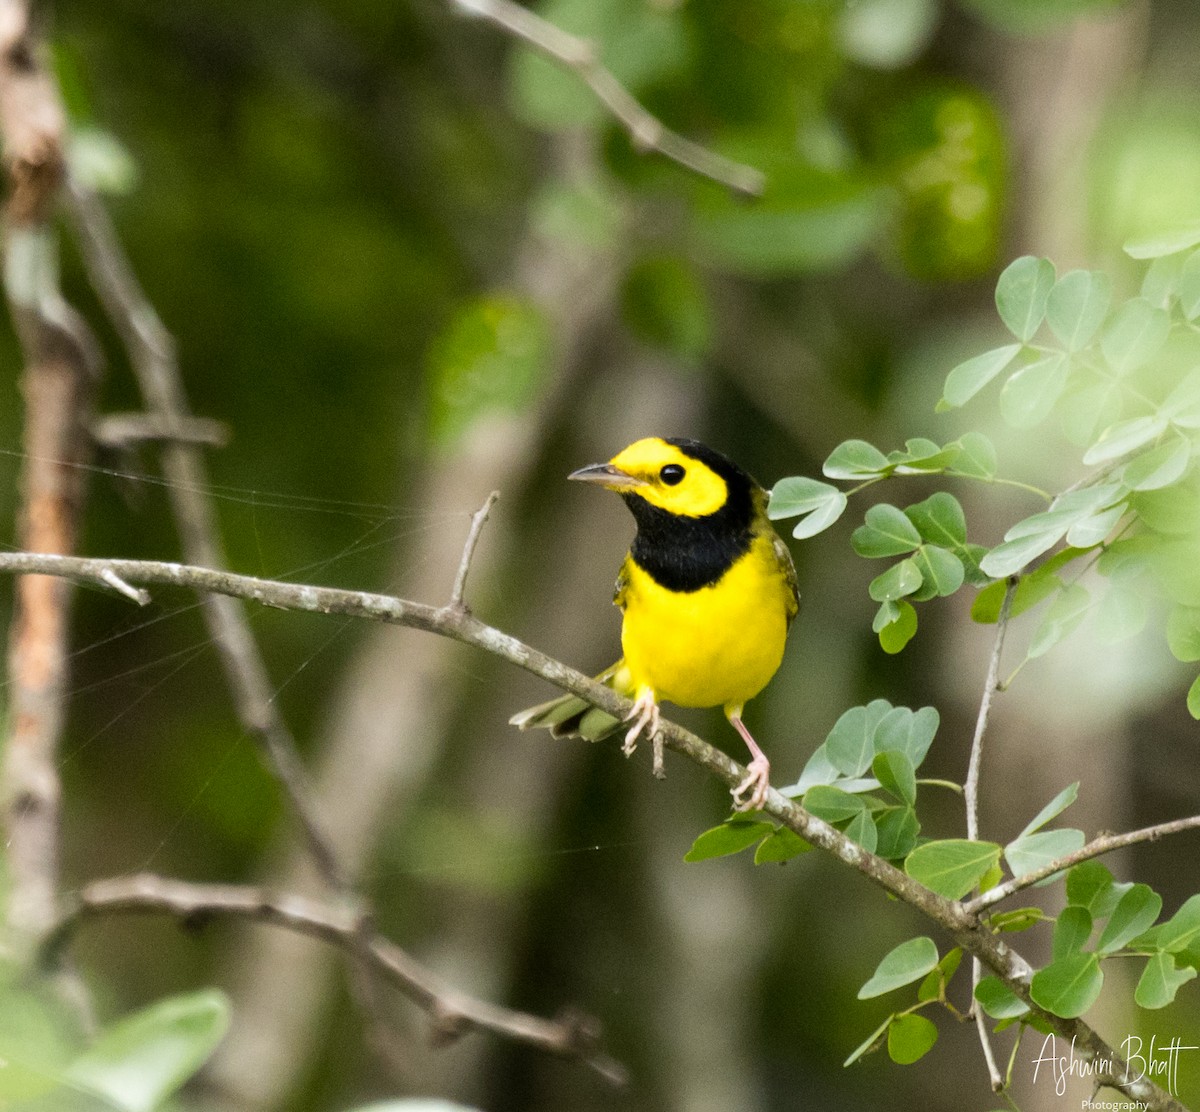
(682, 477)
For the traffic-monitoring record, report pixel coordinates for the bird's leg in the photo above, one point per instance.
(644, 717)
(759, 768)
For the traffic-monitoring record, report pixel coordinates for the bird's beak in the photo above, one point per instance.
(606, 475)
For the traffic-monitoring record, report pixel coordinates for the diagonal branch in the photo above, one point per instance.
(453, 1012)
(646, 131)
(1106, 843)
(152, 355)
(964, 928)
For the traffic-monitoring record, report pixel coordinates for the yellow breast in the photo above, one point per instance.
(716, 646)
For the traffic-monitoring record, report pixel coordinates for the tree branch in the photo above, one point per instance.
(468, 554)
(152, 355)
(646, 131)
(58, 379)
(1106, 843)
(452, 1012)
(448, 621)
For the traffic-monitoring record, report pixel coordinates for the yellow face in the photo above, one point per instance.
(663, 475)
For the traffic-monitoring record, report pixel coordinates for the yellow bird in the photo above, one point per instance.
(707, 591)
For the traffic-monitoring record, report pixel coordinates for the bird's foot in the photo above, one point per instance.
(644, 717)
(751, 793)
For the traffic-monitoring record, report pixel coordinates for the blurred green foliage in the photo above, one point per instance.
(334, 207)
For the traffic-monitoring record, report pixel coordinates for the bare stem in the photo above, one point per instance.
(964, 928)
(152, 355)
(1107, 843)
(646, 131)
(453, 1012)
(477, 523)
(990, 687)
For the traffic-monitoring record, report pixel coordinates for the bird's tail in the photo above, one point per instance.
(571, 716)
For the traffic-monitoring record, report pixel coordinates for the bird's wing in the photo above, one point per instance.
(783, 556)
(622, 584)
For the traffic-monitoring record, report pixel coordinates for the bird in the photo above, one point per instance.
(707, 593)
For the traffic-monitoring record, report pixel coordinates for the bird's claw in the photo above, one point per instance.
(644, 716)
(755, 783)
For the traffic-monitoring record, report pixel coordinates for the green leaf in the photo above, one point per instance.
(1091, 531)
(850, 745)
(896, 633)
(780, 845)
(822, 503)
(1135, 912)
(939, 520)
(1161, 280)
(1018, 919)
(1160, 981)
(971, 376)
(1031, 852)
(1189, 286)
(798, 494)
(870, 1043)
(1183, 928)
(935, 983)
(1183, 633)
(887, 532)
(861, 829)
(896, 775)
(910, 1038)
(730, 837)
(1071, 931)
(1012, 556)
(1159, 467)
(821, 518)
(1090, 885)
(1193, 698)
(942, 572)
(1063, 616)
(140, 1061)
(951, 867)
(1179, 238)
(908, 962)
(855, 459)
(899, 580)
(897, 829)
(977, 459)
(998, 1000)
(1135, 335)
(1090, 408)
(910, 732)
(1030, 393)
(924, 457)
(1068, 986)
(1053, 809)
(1021, 294)
(832, 804)
(1077, 306)
(1125, 437)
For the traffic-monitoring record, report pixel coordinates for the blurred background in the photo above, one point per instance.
(408, 263)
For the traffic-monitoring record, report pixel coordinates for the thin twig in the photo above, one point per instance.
(453, 1012)
(477, 522)
(646, 131)
(990, 687)
(1106, 843)
(971, 800)
(125, 430)
(965, 929)
(152, 355)
(109, 577)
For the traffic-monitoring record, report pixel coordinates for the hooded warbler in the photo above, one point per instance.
(707, 592)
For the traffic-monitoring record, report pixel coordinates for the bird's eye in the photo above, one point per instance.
(672, 474)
